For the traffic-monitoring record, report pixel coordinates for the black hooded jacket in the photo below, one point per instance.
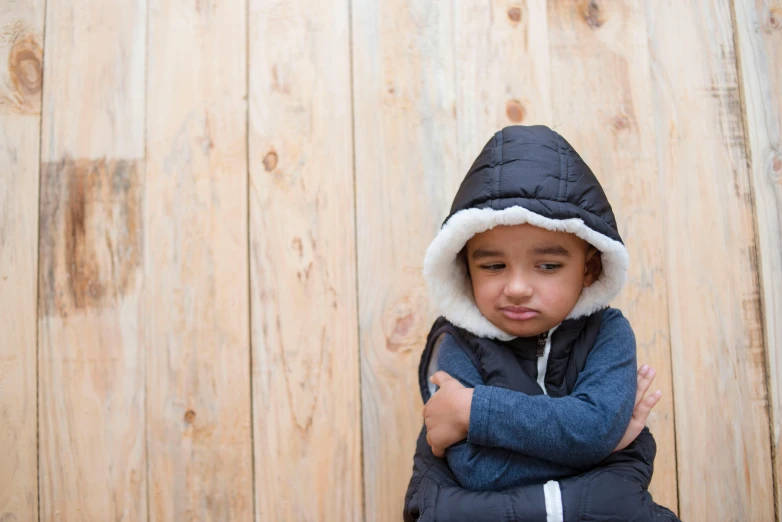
(528, 175)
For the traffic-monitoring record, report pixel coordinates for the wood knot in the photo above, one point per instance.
(190, 416)
(515, 111)
(776, 165)
(773, 23)
(592, 14)
(620, 123)
(400, 331)
(24, 66)
(298, 245)
(514, 14)
(270, 161)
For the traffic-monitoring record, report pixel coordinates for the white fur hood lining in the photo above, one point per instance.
(449, 285)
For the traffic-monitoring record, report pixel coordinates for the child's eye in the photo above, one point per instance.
(494, 267)
(549, 267)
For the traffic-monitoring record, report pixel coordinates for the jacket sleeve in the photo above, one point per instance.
(482, 468)
(579, 430)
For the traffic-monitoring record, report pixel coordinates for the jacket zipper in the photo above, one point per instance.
(542, 338)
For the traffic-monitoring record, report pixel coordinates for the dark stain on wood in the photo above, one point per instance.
(724, 89)
(91, 233)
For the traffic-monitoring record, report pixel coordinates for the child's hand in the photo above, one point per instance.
(642, 406)
(447, 414)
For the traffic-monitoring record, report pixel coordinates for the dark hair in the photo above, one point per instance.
(462, 257)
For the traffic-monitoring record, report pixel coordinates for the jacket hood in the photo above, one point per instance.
(524, 175)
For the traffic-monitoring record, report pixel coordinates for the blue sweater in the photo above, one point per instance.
(516, 439)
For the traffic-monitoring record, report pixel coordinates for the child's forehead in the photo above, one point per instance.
(525, 235)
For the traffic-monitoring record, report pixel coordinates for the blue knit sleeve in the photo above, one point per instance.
(481, 468)
(578, 430)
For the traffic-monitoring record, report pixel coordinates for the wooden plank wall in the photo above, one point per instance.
(758, 36)
(306, 399)
(199, 443)
(91, 368)
(213, 217)
(21, 41)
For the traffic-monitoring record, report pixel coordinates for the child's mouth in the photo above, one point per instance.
(519, 313)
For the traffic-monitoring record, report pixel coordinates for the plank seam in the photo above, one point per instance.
(355, 258)
(38, 276)
(756, 235)
(248, 245)
(668, 301)
(145, 214)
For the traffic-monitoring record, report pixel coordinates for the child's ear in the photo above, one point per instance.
(593, 267)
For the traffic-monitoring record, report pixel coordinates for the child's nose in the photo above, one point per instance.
(518, 286)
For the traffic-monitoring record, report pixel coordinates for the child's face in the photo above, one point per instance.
(526, 279)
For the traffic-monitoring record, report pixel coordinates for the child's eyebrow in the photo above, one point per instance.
(551, 250)
(479, 253)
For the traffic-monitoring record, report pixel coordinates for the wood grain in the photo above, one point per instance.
(196, 263)
(21, 37)
(307, 432)
(91, 357)
(600, 82)
(406, 175)
(722, 428)
(502, 70)
(759, 37)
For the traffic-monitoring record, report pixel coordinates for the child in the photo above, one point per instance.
(537, 375)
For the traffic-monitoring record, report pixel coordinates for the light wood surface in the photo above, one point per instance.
(307, 426)
(21, 39)
(602, 103)
(722, 429)
(211, 299)
(406, 175)
(758, 33)
(92, 462)
(196, 264)
(503, 71)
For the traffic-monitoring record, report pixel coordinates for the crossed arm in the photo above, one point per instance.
(447, 414)
(576, 431)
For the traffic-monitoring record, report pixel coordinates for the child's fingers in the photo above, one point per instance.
(641, 411)
(440, 378)
(641, 372)
(645, 377)
(438, 451)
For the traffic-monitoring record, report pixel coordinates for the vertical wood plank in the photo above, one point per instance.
(21, 46)
(406, 175)
(196, 263)
(307, 434)
(602, 98)
(502, 70)
(759, 36)
(91, 358)
(720, 398)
